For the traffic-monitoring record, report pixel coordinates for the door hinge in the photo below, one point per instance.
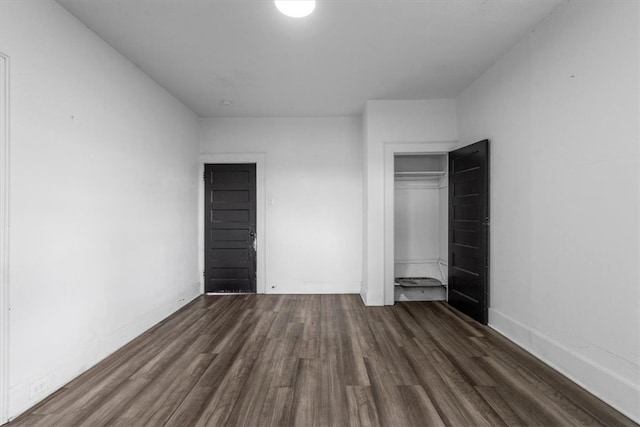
(204, 176)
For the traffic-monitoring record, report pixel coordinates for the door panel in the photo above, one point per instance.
(469, 230)
(230, 227)
(226, 196)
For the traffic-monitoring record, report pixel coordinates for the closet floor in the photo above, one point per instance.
(305, 360)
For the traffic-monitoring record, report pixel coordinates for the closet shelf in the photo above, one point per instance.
(419, 175)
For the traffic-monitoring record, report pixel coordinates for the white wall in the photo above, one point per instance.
(103, 199)
(417, 229)
(4, 237)
(423, 126)
(417, 222)
(561, 110)
(313, 174)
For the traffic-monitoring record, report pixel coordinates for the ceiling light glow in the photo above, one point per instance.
(296, 8)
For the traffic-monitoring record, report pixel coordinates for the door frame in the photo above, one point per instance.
(229, 158)
(390, 151)
(4, 238)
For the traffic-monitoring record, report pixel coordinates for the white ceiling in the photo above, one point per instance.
(328, 64)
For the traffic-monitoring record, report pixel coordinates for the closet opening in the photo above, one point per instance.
(420, 227)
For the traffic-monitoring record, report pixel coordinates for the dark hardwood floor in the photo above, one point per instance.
(306, 360)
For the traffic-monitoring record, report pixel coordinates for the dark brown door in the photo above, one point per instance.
(230, 228)
(469, 230)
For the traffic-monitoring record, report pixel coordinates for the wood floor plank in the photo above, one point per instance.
(221, 404)
(198, 398)
(279, 325)
(319, 360)
(166, 403)
(333, 389)
(308, 347)
(388, 400)
(465, 392)
(249, 404)
(277, 409)
(549, 405)
(450, 407)
(350, 361)
(511, 355)
(500, 405)
(399, 367)
(421, 410)
(175, 378)
(361, 406)
(284, 370)
(357, 324)
(306, 397)
(108, 410)
(37, 420)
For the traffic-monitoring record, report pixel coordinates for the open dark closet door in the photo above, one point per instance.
(469, 230)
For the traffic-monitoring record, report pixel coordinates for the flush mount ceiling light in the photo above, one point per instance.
(296, 8)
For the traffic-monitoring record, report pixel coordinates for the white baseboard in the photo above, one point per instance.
(363, 297)
(372, 298)
(615, 390)
(308, 288)
(62, 373)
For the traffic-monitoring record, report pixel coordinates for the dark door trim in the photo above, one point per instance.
(229, 158)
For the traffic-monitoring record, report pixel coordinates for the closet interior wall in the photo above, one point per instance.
(421, 218)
